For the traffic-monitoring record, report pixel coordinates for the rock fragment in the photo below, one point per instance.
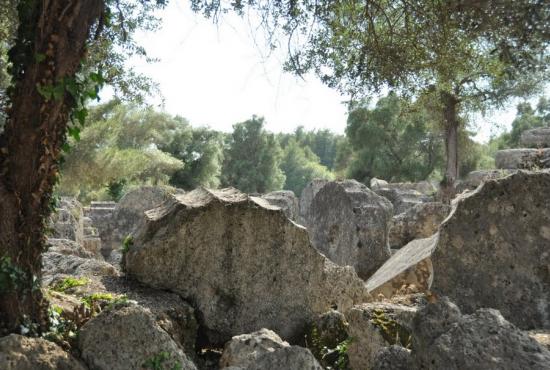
(241, 262)
(350, 225)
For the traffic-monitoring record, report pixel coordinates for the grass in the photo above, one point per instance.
(68, 283)
(112, 300)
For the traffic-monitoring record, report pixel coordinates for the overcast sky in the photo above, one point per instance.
(216, 75)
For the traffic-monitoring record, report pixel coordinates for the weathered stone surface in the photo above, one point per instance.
(173, 314)
(529, 159)
(127, 338)
(115, 221)
(376, 184)
(494, 250)
(541, 336)
(130, 210)
(443, 338)
(475, 178)
(23, 353)
(240, 262)
(536, 138)
(57, 265)
(331, 328)
(66, 246)
(404, 196)
(286, 358)
(286, 200)
(423, 187)
(325, 334)
(93, 246)
(101, 216)
(349, 224)
(393, 358)
(243, 350)
(420, 221)
(67, 221)
(307, 196)
(410, 268)
(374, 326)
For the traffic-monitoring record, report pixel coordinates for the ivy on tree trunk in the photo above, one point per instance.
(49, 48)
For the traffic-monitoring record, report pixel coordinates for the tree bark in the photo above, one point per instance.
(450, 115)
(50, 46)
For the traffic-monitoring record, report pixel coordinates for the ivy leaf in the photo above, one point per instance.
(46, 91)
(39, 57)
(97, 78)
(58, 91)
(72, 87)
(93, 94)
(80, 115)
(74, 132)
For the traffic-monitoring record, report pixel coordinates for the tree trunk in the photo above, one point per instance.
(49, 47)
(452, 123)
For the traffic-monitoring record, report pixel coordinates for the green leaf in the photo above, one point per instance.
(97, 78)
(81, 114)
(74, 132)
(72, 87)
(39, 58)
(46, 91)
(58, 91)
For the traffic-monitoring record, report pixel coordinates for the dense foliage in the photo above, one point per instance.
(467, 55)
(252, 158)
(527, 117)
(395, 139)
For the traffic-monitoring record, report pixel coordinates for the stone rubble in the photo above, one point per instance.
(467, 288)
(241, 263)
(350, 225)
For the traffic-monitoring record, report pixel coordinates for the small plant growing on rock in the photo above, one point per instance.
(92, 299)
(391, 330)
(162, 361)
(105, 301)
(325, 336)
(68, 283)
(343, 360)
(61, 330)
(126, 244)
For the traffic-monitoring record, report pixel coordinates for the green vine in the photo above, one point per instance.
(80, 88)
(12, 278)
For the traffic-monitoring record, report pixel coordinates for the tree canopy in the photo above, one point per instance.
(468, 55)
(300, 165)
(120, 144)
(395, 141)
(252, 159)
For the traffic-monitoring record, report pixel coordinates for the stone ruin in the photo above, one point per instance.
(535, 155)
(241, 262)
(100, 215)
(350, 225)
(68, 224)
(306, 199)
(404, 195)
(492, 251)
(286, 200)
(115, 221)
(219, 268)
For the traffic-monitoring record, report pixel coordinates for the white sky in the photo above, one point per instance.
(216, 75)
